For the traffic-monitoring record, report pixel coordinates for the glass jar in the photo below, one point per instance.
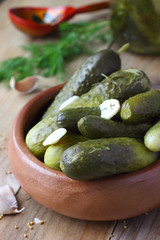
(137, 22)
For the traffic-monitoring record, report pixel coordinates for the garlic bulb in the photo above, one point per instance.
(26, 85)
(8, 202)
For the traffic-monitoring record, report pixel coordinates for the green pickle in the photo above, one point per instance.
(137, 22)
(141, 108)
(120, 85)
(103, 157)
(54, 152)
(69, 118)
(152, 138)
(96, 127)
(106, 61)
(38, 133)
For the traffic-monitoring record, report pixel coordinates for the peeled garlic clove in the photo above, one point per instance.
(109, 108)
(68, 102)
(55, 136)
(8, 202)
(26, 85)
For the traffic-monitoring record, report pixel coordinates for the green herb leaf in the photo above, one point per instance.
(49, 59)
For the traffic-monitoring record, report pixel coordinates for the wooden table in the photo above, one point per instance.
(56, 226)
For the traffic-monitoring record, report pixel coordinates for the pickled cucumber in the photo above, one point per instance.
(99, 158)
(106, 61)
(96, 127)
(141, 108)
(69, 118)
(137, 22)
(119, 85)
(54, 152)
(152, 138)
(37, 134)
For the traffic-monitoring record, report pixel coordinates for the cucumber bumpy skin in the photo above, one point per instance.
(69, 118)
(141, 108)
(152, 138)
(37, 134)
(96, 127)
(99, 158)
(106, 61)
(120, 85)
(54, 152)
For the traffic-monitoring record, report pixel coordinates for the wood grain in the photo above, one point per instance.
(56, 226)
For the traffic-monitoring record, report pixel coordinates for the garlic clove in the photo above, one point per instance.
(8, 202)
(109, 108)
(68, 102)
(55, 136)
(26, 85)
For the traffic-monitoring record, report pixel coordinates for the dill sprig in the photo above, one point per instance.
(50, 58)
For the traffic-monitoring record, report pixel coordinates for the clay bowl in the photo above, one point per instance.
(111, 198)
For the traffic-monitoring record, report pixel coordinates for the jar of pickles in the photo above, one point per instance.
(137, 22)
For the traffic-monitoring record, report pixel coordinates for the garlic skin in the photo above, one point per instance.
(26, 85)
(8, 202)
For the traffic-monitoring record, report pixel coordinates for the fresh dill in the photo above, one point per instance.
(50, 58)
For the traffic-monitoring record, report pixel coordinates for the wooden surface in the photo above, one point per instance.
(56, 226)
